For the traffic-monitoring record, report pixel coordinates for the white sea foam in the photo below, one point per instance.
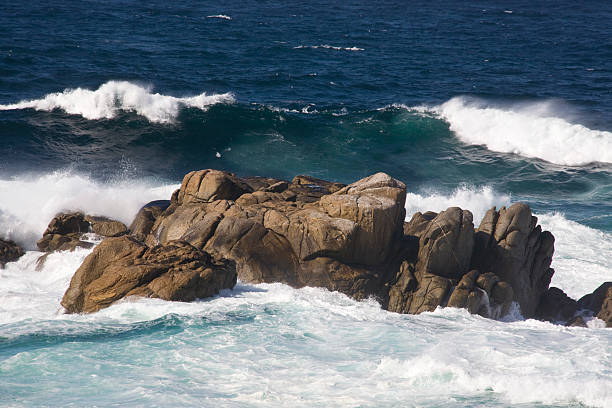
(272, 345)
(221, 16)
(583, 255)
(28, 203)
(114, 96)
(530, 130)
(329, 47)
(477, 200)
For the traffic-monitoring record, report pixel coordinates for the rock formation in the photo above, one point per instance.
(122, 266)
(9, 252)
(65, 231)
(310, 232)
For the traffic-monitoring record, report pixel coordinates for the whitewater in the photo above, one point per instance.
(272, 345)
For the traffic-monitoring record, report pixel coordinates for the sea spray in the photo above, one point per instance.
(113, 96)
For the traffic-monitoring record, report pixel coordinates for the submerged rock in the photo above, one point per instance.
(9, 252)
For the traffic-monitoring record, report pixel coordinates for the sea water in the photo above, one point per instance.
(105, 106)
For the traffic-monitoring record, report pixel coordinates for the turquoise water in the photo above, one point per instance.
(105, 106)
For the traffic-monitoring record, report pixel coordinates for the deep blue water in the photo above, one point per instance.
(498, 102)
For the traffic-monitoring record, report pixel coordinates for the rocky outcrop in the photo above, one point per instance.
(310, 232)
(66, 230)
(122, 267)
(599, 303)
(510, 244)
(9, 252)
(555, 306)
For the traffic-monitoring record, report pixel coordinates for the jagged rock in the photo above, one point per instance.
(510, 244)
(605, 313)
(145, 218)
(594, 300)
(599, 302)
(123, 266)
(556, 306)
(209, 185)
(446, 244)
(9, 252)
(310, 232)
(64, 233)
(105, 226)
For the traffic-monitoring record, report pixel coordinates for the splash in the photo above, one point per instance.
(530, 130)
(114, 96)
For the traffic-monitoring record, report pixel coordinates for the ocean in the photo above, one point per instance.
(104, 106)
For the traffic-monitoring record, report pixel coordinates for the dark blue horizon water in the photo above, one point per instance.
(469, 103)
(344, 64)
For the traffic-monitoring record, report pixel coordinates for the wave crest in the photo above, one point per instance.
(114, 96)
(530, 130)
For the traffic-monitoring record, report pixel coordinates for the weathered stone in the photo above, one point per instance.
(556, 306)
(145, 218)
(605, 313)
(446, 245)
(510, 244)
(593, 301)
(9, 252)
(105, 226)
(122, 266)
(205, 186)
(459, 297)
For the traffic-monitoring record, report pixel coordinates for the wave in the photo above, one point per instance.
(28, 203)
(530, 130)
(329, 47)
(114, 96)
(221, 16)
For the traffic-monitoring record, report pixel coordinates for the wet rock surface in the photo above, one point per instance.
(311, 232)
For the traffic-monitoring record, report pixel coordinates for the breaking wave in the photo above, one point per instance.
(114, 96)
(530, 130)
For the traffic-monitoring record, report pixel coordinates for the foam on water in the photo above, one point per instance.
(583, 255)
(530, 130)
(329, 47)
(272, 345)
(221, 16)
(28, 203)
(113, 96)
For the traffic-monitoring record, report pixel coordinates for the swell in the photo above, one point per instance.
(529, 129)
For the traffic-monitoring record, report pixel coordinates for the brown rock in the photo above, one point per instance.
(459, 297)
(605, 313)
(204, 186)
(511, 245)
(556, 306)
(446, 244)
(105, 226)
(122, 266)
(9, 252)
(145, 218)
(593, 301)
